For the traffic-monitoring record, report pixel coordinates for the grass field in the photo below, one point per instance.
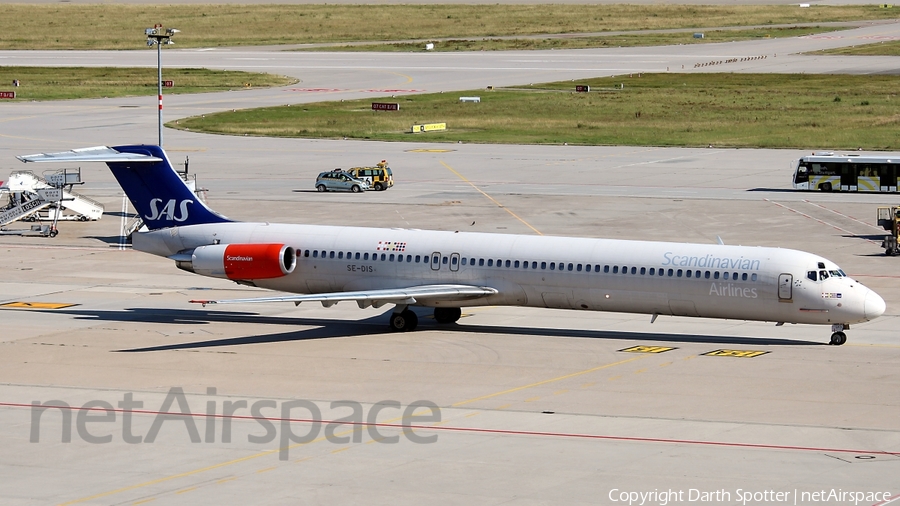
(121, 26)
(59, 83)
(738, 110)
(886, 48)
(622, 40)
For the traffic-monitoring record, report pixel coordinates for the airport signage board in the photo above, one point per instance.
(582, 88)
(383, 106)
(7, 94)
(168, 84)
(428, 127)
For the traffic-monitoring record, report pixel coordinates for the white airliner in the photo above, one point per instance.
(450, 270)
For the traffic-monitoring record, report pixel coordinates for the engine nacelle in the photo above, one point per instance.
(241, 261)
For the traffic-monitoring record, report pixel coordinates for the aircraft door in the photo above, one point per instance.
(785, 287)
(436, 261)
(454, 262)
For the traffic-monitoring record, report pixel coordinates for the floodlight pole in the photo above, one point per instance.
(159, 36)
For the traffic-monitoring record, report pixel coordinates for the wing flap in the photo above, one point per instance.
(94, 154)
(376, 298)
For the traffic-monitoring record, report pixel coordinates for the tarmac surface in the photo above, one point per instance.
(521, 406)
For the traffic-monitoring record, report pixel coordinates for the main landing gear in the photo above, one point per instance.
(404, 320)
(838, 337)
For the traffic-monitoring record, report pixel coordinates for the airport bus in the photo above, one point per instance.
(831, 172)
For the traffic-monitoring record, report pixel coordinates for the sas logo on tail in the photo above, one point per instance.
(168, 212)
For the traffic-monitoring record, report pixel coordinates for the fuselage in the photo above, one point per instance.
(664, 278)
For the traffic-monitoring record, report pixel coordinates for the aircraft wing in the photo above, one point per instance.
(95, 154)
(376, 298)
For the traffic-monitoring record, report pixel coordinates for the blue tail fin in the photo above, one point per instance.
(158, 193)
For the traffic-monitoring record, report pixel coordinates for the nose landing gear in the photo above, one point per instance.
(838, 337)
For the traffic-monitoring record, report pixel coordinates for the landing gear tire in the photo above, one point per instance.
(447, 314)
(54, 233)
(404, 321)
(838, 338)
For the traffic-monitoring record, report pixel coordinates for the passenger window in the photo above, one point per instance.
(444, 260)
(578, 268)
(464, 260)
(706, 275)
(340, 254)
(688, 273)
(306, 253)
(356, 256)
(472, 261)
(534, 265)
(418, 258)
(643, 271)
(366, 256)
(606, 269)
(725, 275)
(391, 257)
(382, 257)
(543, 265)
(671, 273)
(507, 264)
(453, 261)
(480, 262)
(315, 254)
(653, 271)
(409, 258)
(679, 273)
(490, 262)
(634, 270)
(615, 269)
(596, 268)
(552, 266)
(516, 265)
(716, 275)
(753, 277)
(744, 277)
(571, 267)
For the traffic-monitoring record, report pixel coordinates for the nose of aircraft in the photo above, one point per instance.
(874, 305)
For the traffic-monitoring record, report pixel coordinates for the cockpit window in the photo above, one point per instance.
(837, 274)
(823, 275)
(812, 275)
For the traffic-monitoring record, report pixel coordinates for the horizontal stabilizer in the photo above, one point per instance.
(377, 298)
(95, 154)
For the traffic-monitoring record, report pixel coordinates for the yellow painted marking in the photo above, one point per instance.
(501, 206)
(430, 150)
(614, 378)
(504, 406)
(689, 357)
(266, 470)
(144, 501)
(339, 450)
(560, 392)
(532, 399)
(648, 349)
(735, 353)
(226, 480)
(470, 415)
(589, 384)
(303, 459)
(38, 305)
(664, 364)
(639, 371)
(551, 380)
(186, 490)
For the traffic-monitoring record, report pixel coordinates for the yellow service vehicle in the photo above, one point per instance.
(889, 219)
(379, 177)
